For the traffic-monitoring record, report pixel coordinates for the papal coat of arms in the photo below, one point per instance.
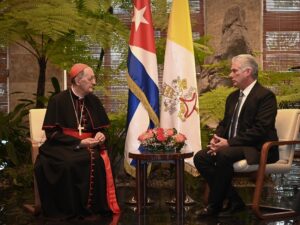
(179, 98)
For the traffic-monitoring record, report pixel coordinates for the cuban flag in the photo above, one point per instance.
(179, 103)
(142, 78)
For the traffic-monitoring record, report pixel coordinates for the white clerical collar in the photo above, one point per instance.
(80, 97)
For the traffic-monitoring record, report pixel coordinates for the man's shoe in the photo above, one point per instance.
(233, 208)
(207, 212)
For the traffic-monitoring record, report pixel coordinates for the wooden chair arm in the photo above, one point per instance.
(33, 142)
(34, 149)
(267, 145)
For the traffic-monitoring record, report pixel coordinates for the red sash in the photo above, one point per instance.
(75, 133)
(110, 186)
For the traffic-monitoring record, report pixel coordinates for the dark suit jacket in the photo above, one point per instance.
(256, 123)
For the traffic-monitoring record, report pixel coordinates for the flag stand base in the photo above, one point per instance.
(187, 201)
(132, 201)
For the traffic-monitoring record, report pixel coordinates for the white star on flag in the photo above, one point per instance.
(138, 17)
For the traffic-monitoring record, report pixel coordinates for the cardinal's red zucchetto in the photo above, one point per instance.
(76, 69)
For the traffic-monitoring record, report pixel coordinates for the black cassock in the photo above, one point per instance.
(74, 181)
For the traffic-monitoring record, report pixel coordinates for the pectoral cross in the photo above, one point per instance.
(80, 128)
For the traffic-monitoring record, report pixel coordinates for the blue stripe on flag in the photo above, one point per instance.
(133, 103)
(140, 76)
(142, 79)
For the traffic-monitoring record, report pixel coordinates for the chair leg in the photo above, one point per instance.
(257, 208)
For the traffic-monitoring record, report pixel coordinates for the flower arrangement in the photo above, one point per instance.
(160, 139)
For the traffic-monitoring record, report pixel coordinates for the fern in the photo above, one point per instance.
(60, 31)
(212, 105)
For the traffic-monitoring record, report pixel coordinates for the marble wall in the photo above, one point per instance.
(214, 15)
(23, 75)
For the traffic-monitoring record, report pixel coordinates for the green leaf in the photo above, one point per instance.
(10, 148)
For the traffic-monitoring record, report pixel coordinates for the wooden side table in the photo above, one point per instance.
(141, 176)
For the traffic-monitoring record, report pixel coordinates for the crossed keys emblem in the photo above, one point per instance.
(179, 98)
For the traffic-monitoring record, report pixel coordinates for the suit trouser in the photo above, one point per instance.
(218, 172)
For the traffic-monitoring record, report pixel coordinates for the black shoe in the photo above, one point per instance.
(207, 212)
(232, 208)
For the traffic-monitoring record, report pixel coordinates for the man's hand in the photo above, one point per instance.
(100, 137)
(216, 144)
(89, 142)
(92, 142)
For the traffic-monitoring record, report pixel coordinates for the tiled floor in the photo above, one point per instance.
(278, 191)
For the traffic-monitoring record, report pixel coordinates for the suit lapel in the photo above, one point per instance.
(249, 98)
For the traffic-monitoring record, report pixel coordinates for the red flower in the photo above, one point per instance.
(161, 137)
(146, 135)
(179, 138)
(160, 131)
(170, 132)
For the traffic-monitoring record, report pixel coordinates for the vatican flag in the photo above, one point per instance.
(179, 103)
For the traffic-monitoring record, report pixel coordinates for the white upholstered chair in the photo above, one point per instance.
(37, 137)
(287, 125)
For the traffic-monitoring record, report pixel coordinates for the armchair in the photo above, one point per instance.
(287, 125)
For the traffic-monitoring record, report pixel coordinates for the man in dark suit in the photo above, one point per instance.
(248, 122)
